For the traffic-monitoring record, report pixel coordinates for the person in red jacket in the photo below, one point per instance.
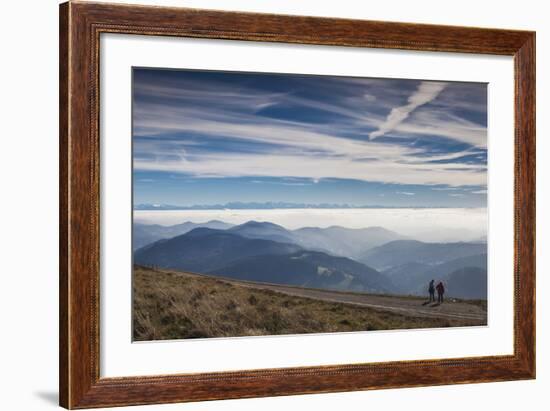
(440, 291)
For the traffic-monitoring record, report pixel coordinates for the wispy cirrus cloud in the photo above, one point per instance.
(227, 125)
(446, 125)
(426, 92)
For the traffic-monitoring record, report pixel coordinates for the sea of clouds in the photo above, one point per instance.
(426, 224)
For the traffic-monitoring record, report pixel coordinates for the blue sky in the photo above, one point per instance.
(215, 137)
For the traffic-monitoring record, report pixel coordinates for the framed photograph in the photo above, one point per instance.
(258, 205)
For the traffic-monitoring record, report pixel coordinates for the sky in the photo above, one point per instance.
(206, 137)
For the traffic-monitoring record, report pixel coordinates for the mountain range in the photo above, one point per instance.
(269, 205)
(344, 241)
(371, 259)
(401, 252)
(340, 241)
(226, 253)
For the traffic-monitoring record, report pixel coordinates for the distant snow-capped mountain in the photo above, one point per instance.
(270, 205)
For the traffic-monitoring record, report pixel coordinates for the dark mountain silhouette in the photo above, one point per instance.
(204, 249)
(144, 234)
(400, 252)
(228, 254)
(308, 269)
(467, 282)
(413, 278)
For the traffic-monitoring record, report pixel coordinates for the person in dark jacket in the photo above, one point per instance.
(440, 291)
(431, 290)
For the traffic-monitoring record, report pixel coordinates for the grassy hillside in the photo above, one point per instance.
(173, 305)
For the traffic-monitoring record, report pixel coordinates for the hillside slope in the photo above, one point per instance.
(308, 269)
(467, 282)
(174, 305)
(204, 249)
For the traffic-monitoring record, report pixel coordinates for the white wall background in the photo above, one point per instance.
(28, 204)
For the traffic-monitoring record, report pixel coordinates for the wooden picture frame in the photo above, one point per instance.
(80, 27)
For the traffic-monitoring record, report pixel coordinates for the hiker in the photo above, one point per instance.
(431, 290)
(440, 291)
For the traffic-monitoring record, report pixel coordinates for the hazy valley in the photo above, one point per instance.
(372, 259)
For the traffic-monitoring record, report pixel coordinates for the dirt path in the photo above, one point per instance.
(413, 306)
(405, 305)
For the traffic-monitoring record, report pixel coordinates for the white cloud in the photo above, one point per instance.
(294, 149)
(426, 92)
(302, 152)
(444, 124)
(314, 168)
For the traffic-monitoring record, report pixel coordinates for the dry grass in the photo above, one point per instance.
(172, 305)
